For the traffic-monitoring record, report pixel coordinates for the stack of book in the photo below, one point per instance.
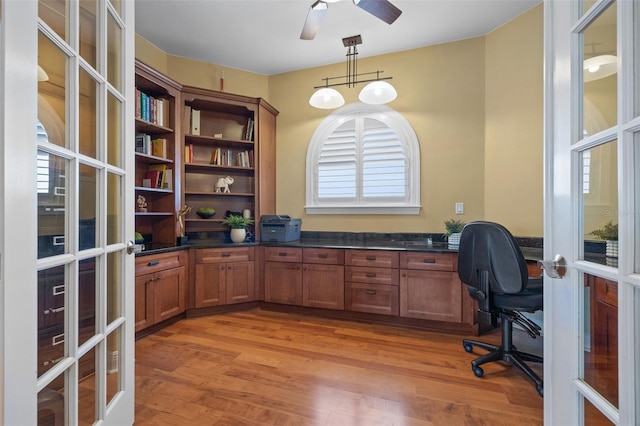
(146, 145)
(151, 109)
(229, 157)
(159, 176)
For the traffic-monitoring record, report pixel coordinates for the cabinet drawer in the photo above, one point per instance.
(325, 256)
(283, 254)
(159, 262)
(218, 255)
(606, 291)
(361, 274)
(428, 261)
(372, 298)
(376, 258)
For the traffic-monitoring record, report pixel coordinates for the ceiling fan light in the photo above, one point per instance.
(326, 98)
(600, 67)
(331, 1)
(378, 92)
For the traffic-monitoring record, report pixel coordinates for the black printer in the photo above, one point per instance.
(276, 228)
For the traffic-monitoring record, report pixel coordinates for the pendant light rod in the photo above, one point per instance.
(353, 81)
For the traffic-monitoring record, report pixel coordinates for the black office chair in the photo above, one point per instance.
(491, 264)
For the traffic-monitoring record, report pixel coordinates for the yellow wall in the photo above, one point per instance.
(476, 107)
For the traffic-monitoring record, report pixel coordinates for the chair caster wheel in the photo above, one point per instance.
(540, 391)
(479, 372)
(467, 347)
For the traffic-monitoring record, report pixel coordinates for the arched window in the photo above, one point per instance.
(363, 159)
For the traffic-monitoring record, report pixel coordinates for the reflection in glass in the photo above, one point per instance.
(636, 212)
(52, 93)
(51, 407)
(114, 363)
(599, 166)
(114, 205)
(51, 318)
(600, 72)
(114, 53)
(601, 346)
(593, 417)
(87, 389)
(88, 115)
(87, 206)
(51, 173)
(86, 299)
(88, 31)
(117, 5)
(55, 13)
(114, 130)
(114, 291)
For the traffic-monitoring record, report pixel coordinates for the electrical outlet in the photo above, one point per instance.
(459, 208)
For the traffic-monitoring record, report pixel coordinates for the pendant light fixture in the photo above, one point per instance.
(600, 66)
(376, 92)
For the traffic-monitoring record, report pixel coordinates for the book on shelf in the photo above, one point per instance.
(188, 153)
(195, 121)
(186, 119)
(163, 178)
(143, 143)
(159, 147)
(168, 181)
(138, 107)
(248, 133)
(155, 177)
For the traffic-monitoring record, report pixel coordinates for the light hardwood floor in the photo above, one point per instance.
(270, 368)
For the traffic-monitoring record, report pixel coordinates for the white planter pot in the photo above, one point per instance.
(238, 235)
(454, 240)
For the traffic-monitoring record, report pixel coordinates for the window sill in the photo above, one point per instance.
(414, 210)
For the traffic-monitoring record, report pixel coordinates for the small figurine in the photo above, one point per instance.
(142, 204)
(222, 185)
(181, 214)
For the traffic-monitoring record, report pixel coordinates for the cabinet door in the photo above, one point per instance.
(210, 284)
(283, 283)
(144, 301)
(240, 282)
(169, 293)
(430, 295)
(323, 286)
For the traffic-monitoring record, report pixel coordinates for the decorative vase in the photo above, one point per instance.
(238, 235)
(454, 240)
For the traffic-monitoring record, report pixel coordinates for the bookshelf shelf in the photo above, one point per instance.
(144, 126)
(159, 190)
(152, 159)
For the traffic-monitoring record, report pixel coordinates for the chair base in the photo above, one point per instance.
(505, 352)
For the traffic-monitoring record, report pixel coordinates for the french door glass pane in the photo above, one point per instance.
(593, 417)
(114, 53)
(114, 202)
(600, 73)
(599, 167)
(88, 115)
(117, 5)
(114, 363)
(636, 64)
(51, 407)
(601, 336)
(88, 31)
(636, 213)
(87, 389)
(52, 90)
(55, 13)
(52, 286)
(52, 213)
(114, 290)
(114, 130)
(87, 203)
(87, 285)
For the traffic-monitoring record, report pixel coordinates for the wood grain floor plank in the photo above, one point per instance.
(271, 368)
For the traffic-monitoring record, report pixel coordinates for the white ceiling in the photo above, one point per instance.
(263, 36)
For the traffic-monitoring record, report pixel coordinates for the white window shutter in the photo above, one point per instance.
(383, 162)
(337, 165)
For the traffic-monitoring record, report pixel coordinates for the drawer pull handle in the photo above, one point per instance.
(284, 254)
(56, 340)
(323, 255)
(154, 263)
(57, 289)
(429, 261)
(371, 258)
(226, 254)
(54, 310)
(371, 292)
(371, 274)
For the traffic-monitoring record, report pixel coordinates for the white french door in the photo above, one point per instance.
(67, 205)
(592, 183)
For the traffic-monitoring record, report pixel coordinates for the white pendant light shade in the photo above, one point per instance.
(42, 74)
(326, 98)
(600, 67)
(378, 92)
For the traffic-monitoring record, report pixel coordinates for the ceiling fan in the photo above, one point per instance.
(381, 9)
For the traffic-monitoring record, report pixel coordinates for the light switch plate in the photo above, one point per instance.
(459, 208)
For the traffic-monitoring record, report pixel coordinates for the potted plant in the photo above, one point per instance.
(238, 225)
(608, 233)
(453, 230)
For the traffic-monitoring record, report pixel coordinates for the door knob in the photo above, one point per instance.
(555, 268)
(133, 248)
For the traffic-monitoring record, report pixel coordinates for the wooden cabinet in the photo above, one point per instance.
(224, 276)
(157, 150)
(371, 281)
(283, 275)
(604, 323)
(233, 136)
(323, 278)
(160, 287)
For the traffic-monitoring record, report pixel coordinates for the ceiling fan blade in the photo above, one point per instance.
(381, 9)
(314, 19)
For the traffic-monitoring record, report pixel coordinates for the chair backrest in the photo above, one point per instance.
(489, 250)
